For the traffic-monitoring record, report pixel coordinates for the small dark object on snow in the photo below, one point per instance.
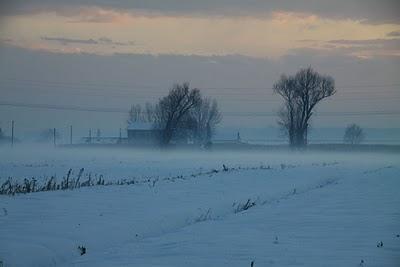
(361, 263)
(225, 168)
(397, 235)
(252, 264)
(276, 240)
(82, 250)
(246, 206)
(379, 245)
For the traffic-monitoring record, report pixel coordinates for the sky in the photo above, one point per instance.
(59, 58)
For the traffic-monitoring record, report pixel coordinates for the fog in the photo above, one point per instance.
(43, 161)
(199, 133)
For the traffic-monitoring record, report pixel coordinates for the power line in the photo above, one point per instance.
(129, 86)
(62, 107)
(327, 114)
(232, 114)
(224, 97)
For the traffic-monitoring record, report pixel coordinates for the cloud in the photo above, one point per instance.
(361, 48)
(99, 41)
(105, 40)
(93, 15)
(393, 34)
(267, 37)
(370, 43)
(66, 41)
(371, 11)
(6, 40)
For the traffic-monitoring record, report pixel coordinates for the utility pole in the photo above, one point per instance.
(54, 136)
(120, 135)
(70, 135)
(12, 133)
(90, 136)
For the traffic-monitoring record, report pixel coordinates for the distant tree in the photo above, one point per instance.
(149, 113)
(301, 93)
(353, 134)
(139, 114)
(206, 116)
(135, 114)
(171, 110)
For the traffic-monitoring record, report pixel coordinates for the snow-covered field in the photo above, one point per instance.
(273, 208)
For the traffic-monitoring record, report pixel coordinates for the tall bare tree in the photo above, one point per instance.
(354, 134)
(206, 116)
(172, 109)
(301, 93)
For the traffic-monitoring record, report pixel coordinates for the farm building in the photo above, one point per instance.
(143, 133)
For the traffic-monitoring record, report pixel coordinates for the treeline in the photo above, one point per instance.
(183, 114)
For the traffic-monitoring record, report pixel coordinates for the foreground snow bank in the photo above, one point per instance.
(307, 211)
(336, 225)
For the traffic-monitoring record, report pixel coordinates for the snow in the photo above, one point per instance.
(326, 209)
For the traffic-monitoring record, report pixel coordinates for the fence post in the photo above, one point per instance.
(70, 135)
(54, 136)
(12, 133)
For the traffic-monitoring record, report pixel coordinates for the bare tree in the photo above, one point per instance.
(301, 93)
(139, 114)
(149, 113)
(206, 116)
(135, 114)
(353, 135)
(287, 114)
(172, 109)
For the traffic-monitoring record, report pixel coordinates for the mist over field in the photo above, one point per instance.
(166, 133)
(42, 162)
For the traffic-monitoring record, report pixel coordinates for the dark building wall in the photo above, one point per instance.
(143, 136)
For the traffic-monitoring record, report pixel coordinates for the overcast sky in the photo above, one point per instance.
(110, 54)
